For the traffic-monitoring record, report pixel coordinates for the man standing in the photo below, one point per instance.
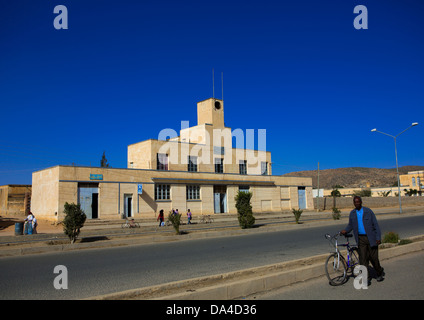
(367, 233)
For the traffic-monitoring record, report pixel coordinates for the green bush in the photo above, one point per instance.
(404, 241)
(336, 213)
(74, 220)
(244, 210)
(390, 237)
(297, 214)
(175, 220)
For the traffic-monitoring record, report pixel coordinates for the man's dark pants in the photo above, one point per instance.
(368, 254)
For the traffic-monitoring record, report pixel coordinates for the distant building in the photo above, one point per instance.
(412, 180)
(15, 199)
(199, 170)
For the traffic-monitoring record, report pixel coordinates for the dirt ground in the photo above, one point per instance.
(7, 226)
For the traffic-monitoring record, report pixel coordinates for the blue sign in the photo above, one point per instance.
(96, 177)
(140, 188)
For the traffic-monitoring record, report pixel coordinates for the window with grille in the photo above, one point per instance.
(162, 161)
(192, 164)
(244, 189)
(162, 192)
(219, 167)
(243, 167)
(193, 192)
(264, 168)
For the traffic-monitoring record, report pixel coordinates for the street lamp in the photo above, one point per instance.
(397, 167)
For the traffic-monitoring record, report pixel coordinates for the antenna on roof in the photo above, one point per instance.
(213, 84)
(222, 84)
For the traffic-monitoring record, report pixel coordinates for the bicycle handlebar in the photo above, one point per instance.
(346, 235)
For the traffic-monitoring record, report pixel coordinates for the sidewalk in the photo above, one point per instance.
(233, 285)
(108, 233)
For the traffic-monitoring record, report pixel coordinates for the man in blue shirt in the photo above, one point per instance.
(367, 233)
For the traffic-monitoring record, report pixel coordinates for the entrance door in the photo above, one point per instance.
(302, 197)
(128, 205)
(220, 199)
(88, 199)
(95, 206)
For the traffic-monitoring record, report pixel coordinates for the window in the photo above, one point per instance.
(193, 192)
(219, 150)
(264, 168)
(244, 189)
(192, 164)
(219, 167)
(162, 161)
(162, 192)
(413, 181)
(243, 166)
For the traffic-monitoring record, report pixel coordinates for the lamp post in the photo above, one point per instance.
(397, 167)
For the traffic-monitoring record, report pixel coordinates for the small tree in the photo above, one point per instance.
(244, 209)
(103, 161)
(175, 219)
(74, 220)
(297, 214)
(336, 213)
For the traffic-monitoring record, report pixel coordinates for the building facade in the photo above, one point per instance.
(198, 170)
(413, 180)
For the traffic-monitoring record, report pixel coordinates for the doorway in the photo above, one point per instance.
(128, 205)
(220, 199)
(88, 199)
(302, 197)
(95, 206)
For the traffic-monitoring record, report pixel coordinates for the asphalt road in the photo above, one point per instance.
(404, 281)
(101, 271)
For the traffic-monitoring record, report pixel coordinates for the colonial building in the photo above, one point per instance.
(200, 170)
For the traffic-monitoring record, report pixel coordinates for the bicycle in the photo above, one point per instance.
(336, 265)
(130, 224)
(206, 219)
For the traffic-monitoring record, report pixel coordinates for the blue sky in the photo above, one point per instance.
(124, 70)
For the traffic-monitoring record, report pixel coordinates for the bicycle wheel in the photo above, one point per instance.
(354, 258)
(336, 269)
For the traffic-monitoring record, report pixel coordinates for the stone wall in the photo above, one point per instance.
(326, 203)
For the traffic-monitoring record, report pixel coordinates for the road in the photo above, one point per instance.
(102, 271)
(404, 281)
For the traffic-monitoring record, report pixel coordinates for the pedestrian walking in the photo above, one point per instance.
(160, 217)
(189, 216)
(367, 234)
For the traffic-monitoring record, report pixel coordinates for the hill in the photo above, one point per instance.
(354, 177)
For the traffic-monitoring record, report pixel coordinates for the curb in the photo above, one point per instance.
(128, 240)
(238, 284)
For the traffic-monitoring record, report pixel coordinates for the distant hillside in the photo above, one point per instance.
(354, 177)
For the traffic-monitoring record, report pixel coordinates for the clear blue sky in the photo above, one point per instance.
(126, 69)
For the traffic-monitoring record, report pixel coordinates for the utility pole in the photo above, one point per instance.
(318, 191)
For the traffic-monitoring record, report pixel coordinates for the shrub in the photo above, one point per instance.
(74, 220)
(404, 241)
(391, 237)
(244, 210)
(362, 193)
(175, 220)
(297, 214)
(336, 213)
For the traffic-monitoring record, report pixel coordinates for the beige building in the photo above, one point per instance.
(198, 170)
(15, 199)
(412, 180)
